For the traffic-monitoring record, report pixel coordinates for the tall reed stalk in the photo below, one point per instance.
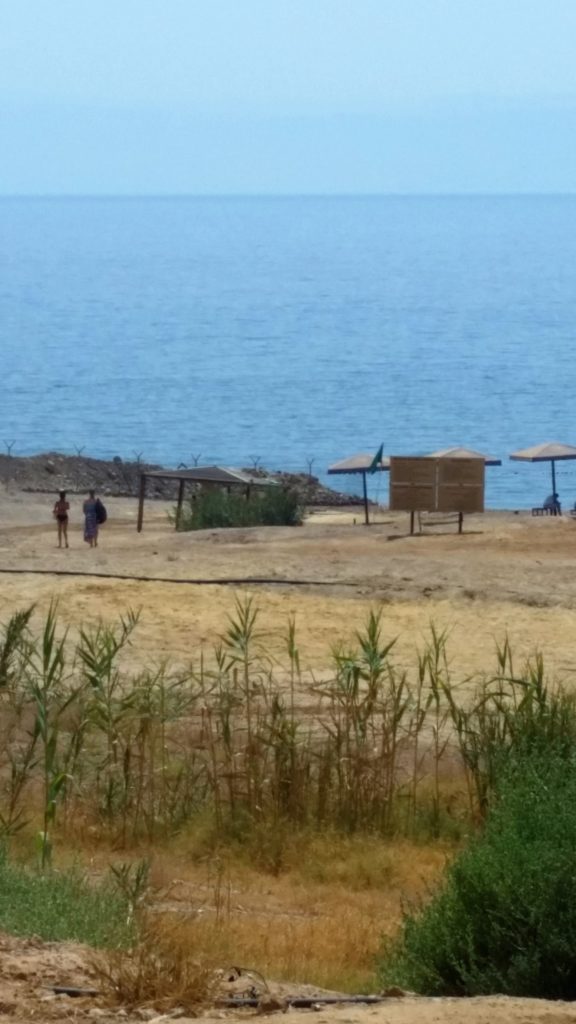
(254, 744)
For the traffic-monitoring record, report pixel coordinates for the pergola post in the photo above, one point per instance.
(141, 496)
(180, 500)
(365, 492)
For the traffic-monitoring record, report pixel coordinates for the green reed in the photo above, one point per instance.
(252, 743)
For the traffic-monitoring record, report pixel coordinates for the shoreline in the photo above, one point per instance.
(49, 472)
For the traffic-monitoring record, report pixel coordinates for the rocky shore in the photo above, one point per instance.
(53, 471)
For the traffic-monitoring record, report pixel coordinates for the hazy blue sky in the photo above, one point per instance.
(172, 96)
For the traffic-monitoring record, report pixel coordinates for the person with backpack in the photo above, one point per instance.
(94, 516)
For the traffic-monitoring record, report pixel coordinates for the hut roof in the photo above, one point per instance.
(212, 474)
(359, 463)
(464, 453)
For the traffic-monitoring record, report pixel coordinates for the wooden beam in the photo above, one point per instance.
(365, 491)
(141, 496)
(179, 505)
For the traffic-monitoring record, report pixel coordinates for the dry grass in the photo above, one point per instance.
(249, 751)
(168, 967)
(285, 811)
(328, 932)
(178, 622)
(515, 566)
(321, 922)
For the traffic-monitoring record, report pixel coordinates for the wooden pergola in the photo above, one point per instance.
(360, 464)
(218, 476)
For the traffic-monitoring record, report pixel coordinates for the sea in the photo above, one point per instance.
(292, 332)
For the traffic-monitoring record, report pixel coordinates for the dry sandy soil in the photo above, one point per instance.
(507, 574)
(29, 969)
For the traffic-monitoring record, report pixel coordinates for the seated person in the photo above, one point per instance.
(553, 504)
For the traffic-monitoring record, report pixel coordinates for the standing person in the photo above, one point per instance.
(90, 509)
(60, 513)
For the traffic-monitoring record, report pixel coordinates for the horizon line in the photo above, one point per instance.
(464, 194)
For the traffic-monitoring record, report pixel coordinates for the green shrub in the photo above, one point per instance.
(58, 906)
(505, 918)
(208, 510)
(512, 716)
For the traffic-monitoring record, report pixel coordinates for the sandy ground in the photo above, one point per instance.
(29, 970)
(507, 574)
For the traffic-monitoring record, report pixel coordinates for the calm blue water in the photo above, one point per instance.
(291, 329)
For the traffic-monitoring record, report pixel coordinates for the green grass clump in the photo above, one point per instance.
(504, 920)
(208, 510)
(248, 746)
(58, 906)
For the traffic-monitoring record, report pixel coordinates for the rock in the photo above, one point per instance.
(78, 473)
(393, 992)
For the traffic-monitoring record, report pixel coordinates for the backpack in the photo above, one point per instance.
(101, 513)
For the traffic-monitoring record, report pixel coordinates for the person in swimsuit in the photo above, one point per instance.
(60, 513)
(91, 520)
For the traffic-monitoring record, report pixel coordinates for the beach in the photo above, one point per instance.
(507, 575)
(288, 513)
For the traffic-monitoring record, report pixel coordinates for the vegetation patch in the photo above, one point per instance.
(168, 967)
(245, 755)
(270, 506)
(504, 920)
(59, 906)
(224, 747)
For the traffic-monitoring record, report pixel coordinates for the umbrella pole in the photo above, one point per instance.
(553, 477)
(365, 491)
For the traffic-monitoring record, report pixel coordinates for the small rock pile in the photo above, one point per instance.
(311, 491)
(53, 471)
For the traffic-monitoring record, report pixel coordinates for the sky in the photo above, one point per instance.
(135, 97)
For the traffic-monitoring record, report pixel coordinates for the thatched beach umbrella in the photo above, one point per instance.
(551, 451)
(362, 463)
(464, 453)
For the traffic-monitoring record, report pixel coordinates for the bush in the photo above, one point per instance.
(168, 967)
(512, 716)
(505, 918)
(60, 906)
(208, 510)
